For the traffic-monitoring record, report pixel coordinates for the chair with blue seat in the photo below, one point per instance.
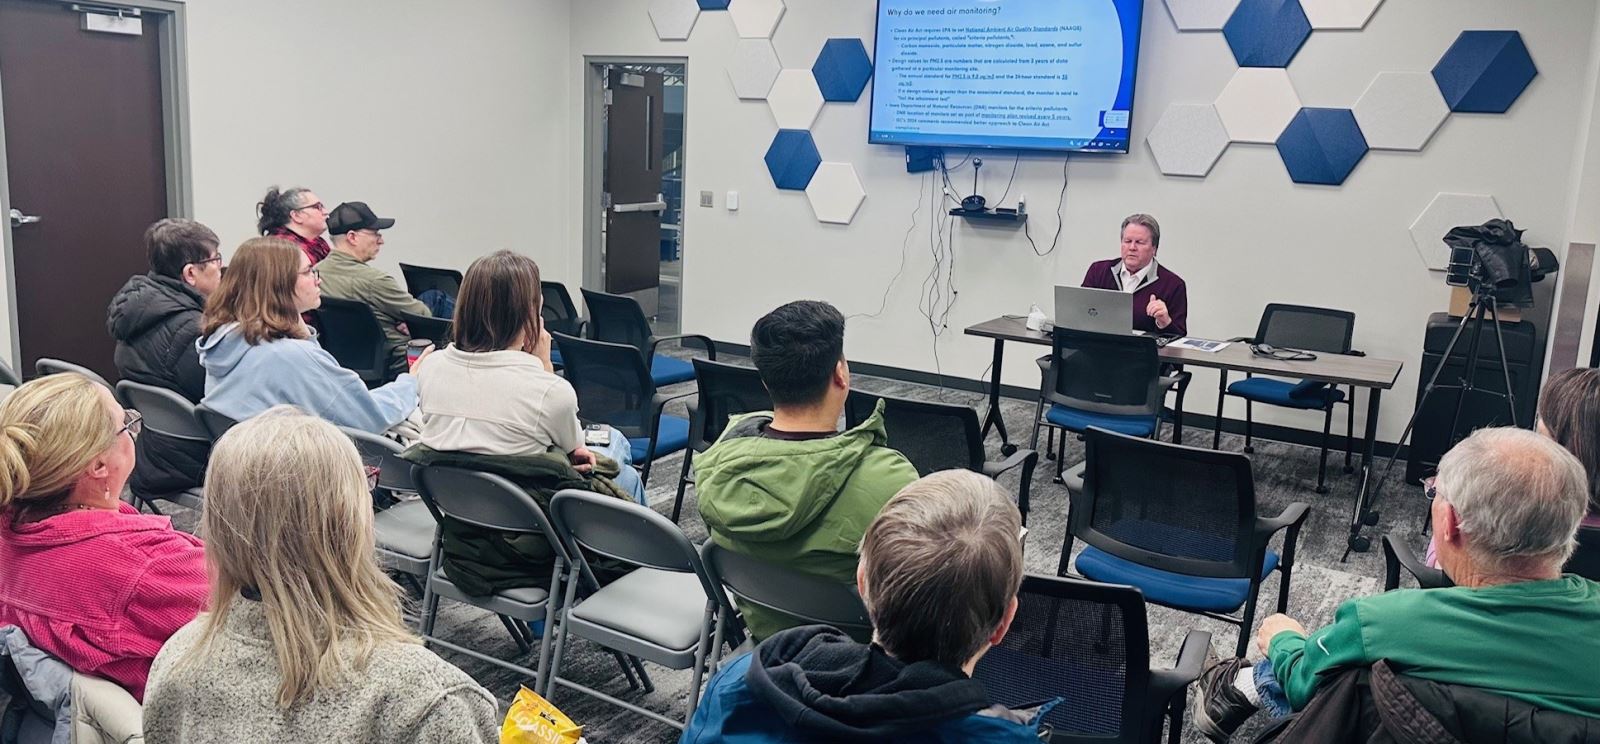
(560, 315)
(615, 388)
(1180, 524)
(618, 319)
(421, 279)
(725, 390)
(1108, 380)
(1301, 328)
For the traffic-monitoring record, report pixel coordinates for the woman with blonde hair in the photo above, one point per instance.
(304, 640)
(258, 353)
(85, 576)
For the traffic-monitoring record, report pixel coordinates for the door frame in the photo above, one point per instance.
(173, 37)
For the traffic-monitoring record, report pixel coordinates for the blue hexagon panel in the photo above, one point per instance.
(793, 159)
(714, 4)
(1322, 145)
(1266, 33)
(1484, 72)
(842, 70)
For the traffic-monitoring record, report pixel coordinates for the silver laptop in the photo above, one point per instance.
(1095, 310)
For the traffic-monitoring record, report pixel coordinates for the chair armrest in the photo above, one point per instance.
(660, 400)
(1356, 352)
(1169, 382)
(1294, 516)
(1165, 684)
(1397, 555)
(705, 341)
(994, 468)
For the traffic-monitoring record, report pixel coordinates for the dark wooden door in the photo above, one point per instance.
(85, 153)
(635, 132)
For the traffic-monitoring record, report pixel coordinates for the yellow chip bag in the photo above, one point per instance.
(533, 720)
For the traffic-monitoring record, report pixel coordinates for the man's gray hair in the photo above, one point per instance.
(1147, 222)
(1520, 496)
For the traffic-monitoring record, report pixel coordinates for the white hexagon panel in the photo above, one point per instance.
(1443, 213)
(1201, 15)
(794, 99)
(756, 19)
(674, 19)
(1400, 110)
(1188, 139)
(1257, 104)
(835, 193)
(755, 67)
(1339, 14)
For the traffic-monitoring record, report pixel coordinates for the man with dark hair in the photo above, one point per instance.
(787, 486)
(348, 274)
(155, 319)
(940, 568)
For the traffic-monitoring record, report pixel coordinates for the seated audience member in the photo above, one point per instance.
(1506, 510)
(86, 577)
(258, 353)
(787, 486)
(348, 274)
(155, 319)
(1160, 298)
(296, 215)
(304, 640)
(940, 568)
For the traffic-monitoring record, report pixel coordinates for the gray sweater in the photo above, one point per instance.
(407, 693)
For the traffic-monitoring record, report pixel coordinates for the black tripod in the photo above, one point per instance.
(1484, 306)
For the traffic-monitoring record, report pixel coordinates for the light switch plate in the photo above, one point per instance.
(733, 201)
(706, 199)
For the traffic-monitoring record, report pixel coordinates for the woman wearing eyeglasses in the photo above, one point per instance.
(297, 215)
(258, 353)
(88, 578)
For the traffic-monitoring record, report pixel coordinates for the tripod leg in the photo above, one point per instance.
(1505, 362)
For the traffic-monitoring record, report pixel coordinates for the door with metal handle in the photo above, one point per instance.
(18, 219)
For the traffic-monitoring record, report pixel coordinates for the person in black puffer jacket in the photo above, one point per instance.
(155, 319)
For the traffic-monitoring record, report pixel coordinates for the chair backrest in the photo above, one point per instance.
(434, 329)
(1109, 373)
(394, 472)
(811, 598)
(1586, 561)
(560, 313)
(725, 390)
(215, 423)
(164, 412)
(484, 500)
(47, 366)
(1307, 328)
(8, 376)
(617, 319)
(933, 436)
(628, 532)
(420, 279)
(1184, 509)
(611, 380)
(1083, 641)
(350, 332)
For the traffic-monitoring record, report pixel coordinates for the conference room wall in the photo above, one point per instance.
(1243, 237)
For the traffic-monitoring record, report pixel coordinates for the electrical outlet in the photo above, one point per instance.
(1022, 204)
(707, 199)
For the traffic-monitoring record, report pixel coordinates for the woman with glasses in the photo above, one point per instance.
(258, 352)
(297, 215)
(88, 578)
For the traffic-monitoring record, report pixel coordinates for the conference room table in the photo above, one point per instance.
(1373, 374)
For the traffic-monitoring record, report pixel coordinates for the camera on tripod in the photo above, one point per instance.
(1491, 260)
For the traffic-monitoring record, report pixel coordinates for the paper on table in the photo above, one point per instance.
(1198, 344)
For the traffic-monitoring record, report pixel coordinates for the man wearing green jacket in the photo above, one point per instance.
(787, 486)
(348, 274)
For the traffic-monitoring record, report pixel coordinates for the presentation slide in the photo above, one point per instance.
(1024, 74)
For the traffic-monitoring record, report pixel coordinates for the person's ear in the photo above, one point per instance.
(1004, 627)
(1449, 528)
(190, 273)
(861, 579)
(841, 374)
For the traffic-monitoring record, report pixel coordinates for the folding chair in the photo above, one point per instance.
(170, 415)
(404, 528)
(215, 424)
(47, 366)
(811, 598)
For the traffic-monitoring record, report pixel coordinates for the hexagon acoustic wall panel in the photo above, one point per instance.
(842, 70)
(1322, 146)
(713, 4)
(794, 99)
(1484, 71)
(1257, 104)
(1188, 139)
(1443, 213)
(1400, 111)
(755, 67)
(835, 193)
(673, 19)
(1201, 15)
(1266, 33)
(1339, 14)
(756, 19)
(792, 159)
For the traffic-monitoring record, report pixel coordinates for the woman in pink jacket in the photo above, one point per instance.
(87, 577)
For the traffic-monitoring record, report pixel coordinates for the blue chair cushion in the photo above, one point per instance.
(1195, 593)
(667, 370)
(555, 357)
(1073, 419)
(673, 433)
(1308, 395)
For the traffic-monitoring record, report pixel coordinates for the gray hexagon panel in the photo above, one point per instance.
(1447, 211)
(1339, 14)
(1188, 139)
(674, 19)
(794, 99)
(756, 19)
(1201, 15)
(754, 68)
(1257, 104)
(1400, 110)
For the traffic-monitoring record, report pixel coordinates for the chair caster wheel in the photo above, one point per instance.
(1370, 519)
(1008, 449)
(1322, 490)
(1249, 450)
(1360, 543)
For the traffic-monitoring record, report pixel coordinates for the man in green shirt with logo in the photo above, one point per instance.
(1505, 512)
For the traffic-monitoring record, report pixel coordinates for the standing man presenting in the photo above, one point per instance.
(348, 274)
(1160, 298)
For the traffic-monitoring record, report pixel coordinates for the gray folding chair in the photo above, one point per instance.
(8, 376)
(171, 415)
(215, 423)
(405, 531)
(48, 366)
(669, 611)
(811, 598)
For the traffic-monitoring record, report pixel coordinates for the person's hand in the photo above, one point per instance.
(403, 328)
(582, 459)
(1157, 309)
(541, 349)
(1273, 625)
(424, 355)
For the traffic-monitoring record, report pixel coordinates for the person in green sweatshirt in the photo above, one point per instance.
(1506, 509)
(786, 486)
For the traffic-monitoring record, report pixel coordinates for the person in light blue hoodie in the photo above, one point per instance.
(258, 353)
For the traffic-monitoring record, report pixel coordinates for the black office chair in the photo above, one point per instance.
(620, 320)
(172, 416)
(1089, 643)
(814, 599)
(940, 436)
(1108, 380)
(420, 279)
(1301, 328)
(1180, 524)
(1585, 562)
(437, 330)
(614, 388)
(560, 315)
(725, 390)
(47, 366)
(350, 332)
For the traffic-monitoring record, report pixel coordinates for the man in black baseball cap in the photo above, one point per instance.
(348, 274)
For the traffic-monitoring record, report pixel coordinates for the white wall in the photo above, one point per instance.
(1243, 237)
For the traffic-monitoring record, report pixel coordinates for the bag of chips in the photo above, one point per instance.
(533, 720)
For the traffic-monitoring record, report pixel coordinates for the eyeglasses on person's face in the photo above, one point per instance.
(314, 205)
(214, 259)
(132, 423)
(311, 271)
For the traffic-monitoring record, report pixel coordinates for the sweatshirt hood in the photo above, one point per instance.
(146, 301)
(221, 351)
